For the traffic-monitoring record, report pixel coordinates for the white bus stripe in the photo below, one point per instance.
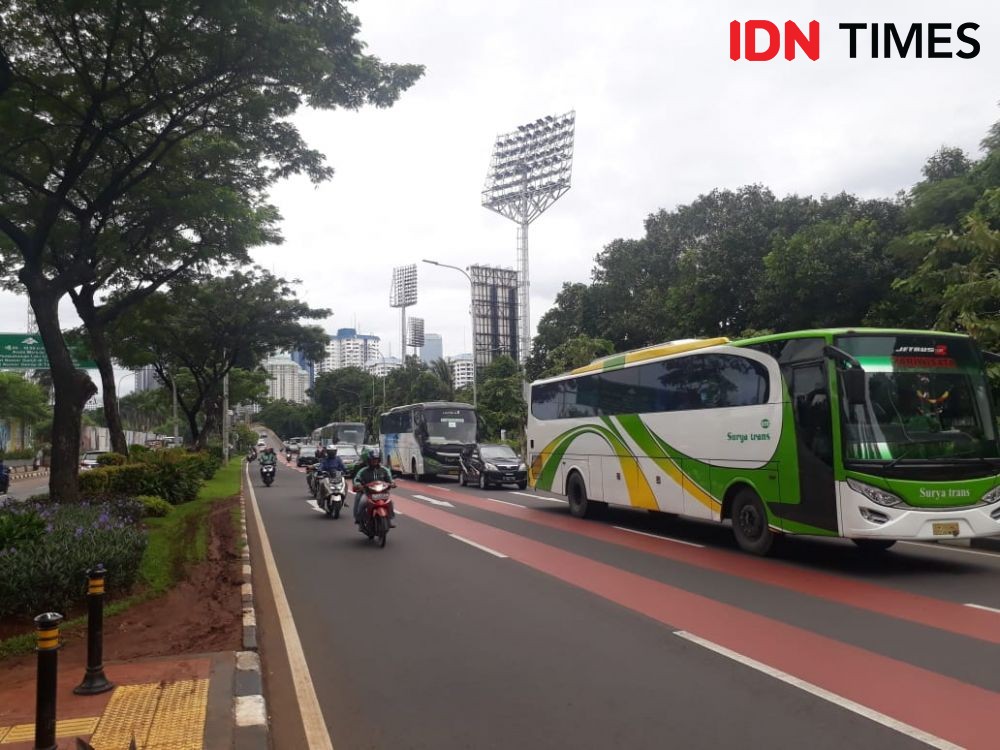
(816, 690)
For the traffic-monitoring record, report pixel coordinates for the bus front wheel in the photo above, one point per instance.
(576, 494)
(750, 523)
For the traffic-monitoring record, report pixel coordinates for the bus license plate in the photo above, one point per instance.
(945, 528)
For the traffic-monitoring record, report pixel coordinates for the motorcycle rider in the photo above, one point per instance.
(331, 462)
(267, 458)
(372, 471)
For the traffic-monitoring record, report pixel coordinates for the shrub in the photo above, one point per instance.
(173, 479)
(40, 499)
(19, 454)
(154, 507)
(18, 529)
(111, 459)
(50, 572)
(136, 450)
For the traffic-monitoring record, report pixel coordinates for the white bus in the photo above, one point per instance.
(427, 439)
(871, 434)
(340, 432)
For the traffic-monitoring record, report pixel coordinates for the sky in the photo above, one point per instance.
(662, 115)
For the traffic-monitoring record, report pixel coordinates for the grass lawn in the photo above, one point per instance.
(175, 541)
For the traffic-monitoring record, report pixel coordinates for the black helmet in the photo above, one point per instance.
(374, 455)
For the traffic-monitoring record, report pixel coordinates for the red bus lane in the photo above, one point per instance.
(980, 624)
(962, 714)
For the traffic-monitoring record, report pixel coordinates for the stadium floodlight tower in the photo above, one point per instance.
(416, 336)
(530, 169)
(403, 294)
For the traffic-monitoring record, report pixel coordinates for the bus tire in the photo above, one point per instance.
(576, 494)
(750, 523)
(873, 546)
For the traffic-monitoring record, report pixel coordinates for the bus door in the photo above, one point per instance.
(808, 390)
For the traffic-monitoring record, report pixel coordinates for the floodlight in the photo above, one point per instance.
(403, 294)
(523, 182)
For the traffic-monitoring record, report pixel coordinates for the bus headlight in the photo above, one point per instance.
(876, 495)
(992, 496)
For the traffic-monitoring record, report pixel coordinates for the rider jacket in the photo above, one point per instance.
(331, 464)
(268, 458)
(369, 474)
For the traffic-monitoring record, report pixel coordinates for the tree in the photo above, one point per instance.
(574, 353)
(98, 98)
(962, 270)
(344, 394)
(197, 332)
(287, 418)
(501, 398)
(945, 164)
(442, 370)
(21, 399)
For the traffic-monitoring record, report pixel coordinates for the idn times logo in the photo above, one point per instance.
(761, 40)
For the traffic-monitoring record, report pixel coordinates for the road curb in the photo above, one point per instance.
(28, 474)
(249, 708)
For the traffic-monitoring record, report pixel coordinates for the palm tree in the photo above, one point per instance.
(440, 368)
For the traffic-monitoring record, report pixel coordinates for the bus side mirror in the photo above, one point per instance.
(855, 385)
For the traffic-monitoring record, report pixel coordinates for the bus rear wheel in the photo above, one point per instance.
(576, 494)
(750, 523)
(873, 546)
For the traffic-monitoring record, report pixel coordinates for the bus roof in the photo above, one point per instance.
(618, 361)
(829, 332)
(432, 405)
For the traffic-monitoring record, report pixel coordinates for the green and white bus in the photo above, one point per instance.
(872, 434)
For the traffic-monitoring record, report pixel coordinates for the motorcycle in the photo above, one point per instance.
(311, 480)
(375, 511)
(267, 473)
(332, 492)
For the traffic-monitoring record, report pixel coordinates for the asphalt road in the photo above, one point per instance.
(631, 631)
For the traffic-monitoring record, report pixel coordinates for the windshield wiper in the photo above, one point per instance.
(898, 458)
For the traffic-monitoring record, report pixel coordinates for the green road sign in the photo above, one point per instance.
(25, 351)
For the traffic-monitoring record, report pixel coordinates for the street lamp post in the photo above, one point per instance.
(118, 397)
(472, 319)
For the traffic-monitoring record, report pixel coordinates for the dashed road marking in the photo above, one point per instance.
(816, 690)
(657, 536)
(478, 546)
(435, 501)
(982, 606)
(504, 502)
(540, 497)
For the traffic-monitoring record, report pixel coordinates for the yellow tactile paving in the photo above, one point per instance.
(179, 723)
(64, 728)
(129, 712)
(161, 716)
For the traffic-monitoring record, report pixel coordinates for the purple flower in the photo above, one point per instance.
(78, 533)
(103, 518)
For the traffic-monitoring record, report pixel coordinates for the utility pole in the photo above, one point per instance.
(173, 382)
(225, 419)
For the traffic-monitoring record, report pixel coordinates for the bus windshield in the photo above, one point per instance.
(925, 398)
(450, 425)
(349, 433)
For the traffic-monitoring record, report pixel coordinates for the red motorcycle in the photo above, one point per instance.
(376, 510)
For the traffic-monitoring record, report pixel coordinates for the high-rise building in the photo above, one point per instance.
(306, 364)
(288, 380)
(494, 306)
(348, 348)
(433, 347)
(145, 379)
(382, 366)
(462, 371)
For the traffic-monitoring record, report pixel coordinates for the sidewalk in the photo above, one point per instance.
(179, 704)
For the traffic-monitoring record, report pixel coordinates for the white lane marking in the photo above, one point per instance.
(657, 536)
(316, 732)
(816, 690)
(982, 606)
(478, 546)
(539, 497)
(446, 489)
(435, 501)
(315, 506)
(949, 548)
(504, 502)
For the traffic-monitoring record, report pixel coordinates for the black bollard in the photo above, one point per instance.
(47, 646)
(94, 681)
